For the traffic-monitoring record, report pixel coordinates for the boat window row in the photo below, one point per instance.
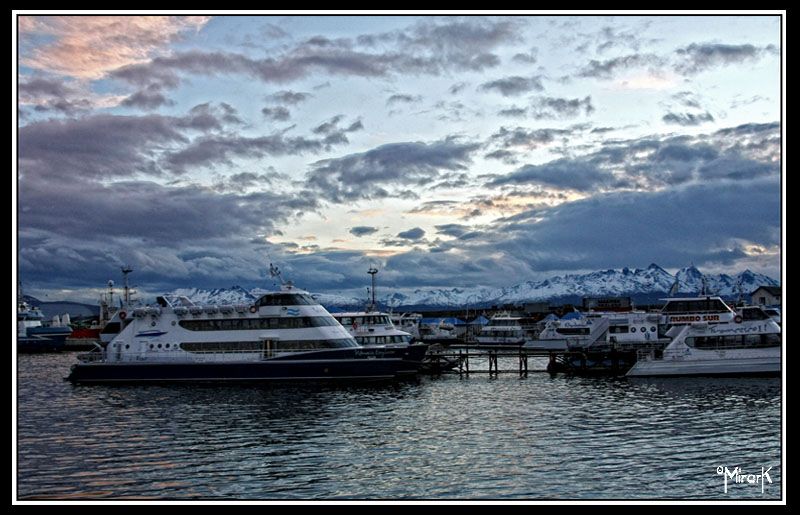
(573, 331)
(268, 345)
(364, 320)
(245, 324)
(383, 339)
(696, 306)
(286, 299)
(509, 334)
(744, 341)
(754, 314)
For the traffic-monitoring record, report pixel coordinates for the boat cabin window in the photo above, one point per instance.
(365, 320)
(286, 299)
(738, 341)
(111, 328)
(754, 314)
(695, 306)
(275, 345)
(249, 324)
(615, 329)
(573, 331)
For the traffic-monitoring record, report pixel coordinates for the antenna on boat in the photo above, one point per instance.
(740, 291)
(125, 271)
(372, 271)
(275, 272)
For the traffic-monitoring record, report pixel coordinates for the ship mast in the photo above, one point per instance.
(372, 271)
(125, 271)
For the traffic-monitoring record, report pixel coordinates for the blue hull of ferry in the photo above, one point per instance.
(42, 341)
(352, 364)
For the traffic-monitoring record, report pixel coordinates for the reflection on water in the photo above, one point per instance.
(505, 438)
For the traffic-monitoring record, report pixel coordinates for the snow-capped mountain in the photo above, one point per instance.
(232, 295)
(652, 280)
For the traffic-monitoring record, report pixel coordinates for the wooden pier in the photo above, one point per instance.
(471, 360)
(487, 360)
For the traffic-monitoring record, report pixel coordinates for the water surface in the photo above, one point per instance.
(541, 437)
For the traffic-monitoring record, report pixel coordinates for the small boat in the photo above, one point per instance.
(33, 336)
(505, 329)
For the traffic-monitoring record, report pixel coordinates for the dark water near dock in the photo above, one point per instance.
(541, 437)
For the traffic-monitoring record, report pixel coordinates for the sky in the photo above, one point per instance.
(447, 151)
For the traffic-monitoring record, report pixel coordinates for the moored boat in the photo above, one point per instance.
(284, 335)
(750, 344)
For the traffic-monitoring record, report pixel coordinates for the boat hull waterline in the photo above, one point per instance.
(768, 366)
(346, 364)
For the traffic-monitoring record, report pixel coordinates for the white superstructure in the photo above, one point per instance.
(288, 321)
(372, 328)
(749, 343)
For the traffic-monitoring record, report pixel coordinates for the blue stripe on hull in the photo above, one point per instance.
(333, 364)
(32, 345)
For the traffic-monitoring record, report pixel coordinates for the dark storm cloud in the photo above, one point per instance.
(454, 230)
(207, 117)
(289, 97)
(513, 112)
(238, 181)
(101, 146)
(212, 150)
(163, 214)
(366, 175)
(677, 226)
(425, 48)
(648, 163)
(362, 230)
(563, 173)
(170, 234)
(513, 86)
(434, 206)
(699, 57)
(279, 113)
(529, 58)
(47, 95)
(41, 87)
(149, 98)
(502, 155)
(530, 139)
(331, 127)
(412, 234)
(609, 68)
(687, 119)
(555, 108)
(400, 98)
(457, 87)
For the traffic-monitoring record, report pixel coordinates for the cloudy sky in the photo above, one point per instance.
(446, 151)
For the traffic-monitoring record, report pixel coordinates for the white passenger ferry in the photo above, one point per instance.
(284, 335)
(747, 344)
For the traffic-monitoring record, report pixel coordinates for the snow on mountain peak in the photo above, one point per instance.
(602, 283)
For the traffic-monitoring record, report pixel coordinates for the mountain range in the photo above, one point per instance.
(648, 283)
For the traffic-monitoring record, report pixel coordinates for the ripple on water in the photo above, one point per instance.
(507, 438)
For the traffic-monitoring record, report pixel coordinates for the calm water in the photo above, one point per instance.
(438, 438)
